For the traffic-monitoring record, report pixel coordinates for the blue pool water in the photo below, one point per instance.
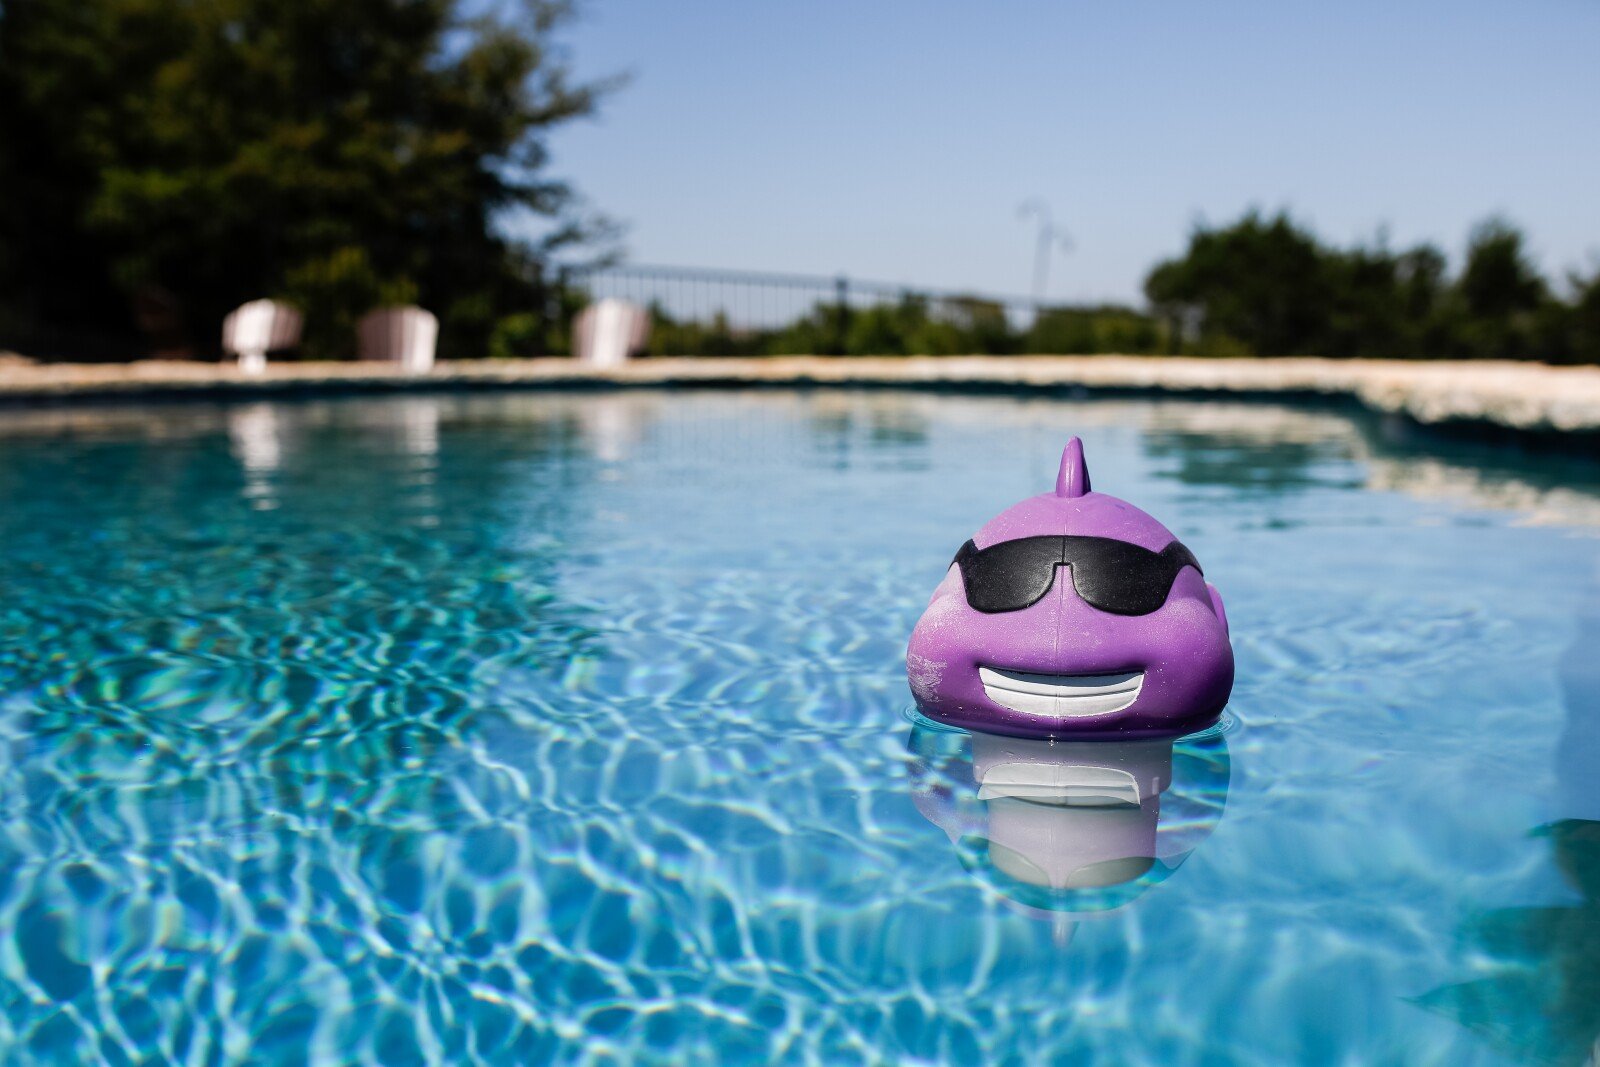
(574, 729)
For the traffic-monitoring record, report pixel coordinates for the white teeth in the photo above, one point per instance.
(1061, 695)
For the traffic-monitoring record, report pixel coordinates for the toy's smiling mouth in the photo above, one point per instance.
(1061, 695)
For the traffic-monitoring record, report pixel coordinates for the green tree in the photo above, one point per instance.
(1382, 304)
(1500, 296)
(1584, 325)
(1107, 328)
(1260, 285)
(1266, 287)
(162, 161)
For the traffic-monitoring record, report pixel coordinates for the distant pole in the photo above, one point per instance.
(1050, 236)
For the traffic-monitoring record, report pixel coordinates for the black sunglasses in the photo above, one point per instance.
(1111, 575)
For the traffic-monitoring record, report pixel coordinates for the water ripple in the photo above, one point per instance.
(517, 730)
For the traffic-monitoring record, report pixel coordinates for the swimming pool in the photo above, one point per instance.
(574, 728)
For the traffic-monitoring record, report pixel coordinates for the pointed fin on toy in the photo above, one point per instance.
(1073, 481)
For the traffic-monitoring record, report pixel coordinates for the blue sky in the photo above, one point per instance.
(895, 140)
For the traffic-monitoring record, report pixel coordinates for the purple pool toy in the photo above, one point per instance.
(1073, 614)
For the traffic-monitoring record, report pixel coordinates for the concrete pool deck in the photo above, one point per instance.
(1517, 399)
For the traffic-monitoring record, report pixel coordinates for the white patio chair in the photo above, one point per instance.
(403, 335)
(252, 330)
(609, 332)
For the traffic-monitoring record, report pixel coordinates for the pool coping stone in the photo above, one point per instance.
(1522, 399)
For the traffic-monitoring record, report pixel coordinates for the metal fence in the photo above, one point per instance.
(698, 311)
(766, 300)
(721, 312)
(743, 305)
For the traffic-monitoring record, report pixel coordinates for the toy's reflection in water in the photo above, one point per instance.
(1069, 830)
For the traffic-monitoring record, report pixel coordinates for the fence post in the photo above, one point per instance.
(541, 309)
(556, 313)
(841, 289)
